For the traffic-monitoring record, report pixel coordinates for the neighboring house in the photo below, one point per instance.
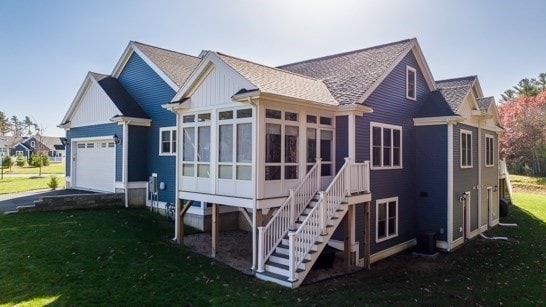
(52, 146)
(365, 139)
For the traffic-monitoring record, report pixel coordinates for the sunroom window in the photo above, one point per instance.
(281, 145)
(196, 145)
(235, 144)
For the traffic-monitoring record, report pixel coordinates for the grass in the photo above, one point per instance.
(22, 184)
(52, 168)
(530, 184)
(124, 257)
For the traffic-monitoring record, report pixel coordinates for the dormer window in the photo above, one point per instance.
(32, 144)
(411, 84)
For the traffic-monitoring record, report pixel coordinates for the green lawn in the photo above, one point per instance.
(124, 257)
(22, 184)
(527, 183)
(52, 168)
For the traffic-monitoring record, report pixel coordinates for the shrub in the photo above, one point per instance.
(53, 183)
(35, 160)
(45, 160)
(20, 161)
(8, 162)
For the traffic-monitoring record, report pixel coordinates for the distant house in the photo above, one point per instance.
(52, 146)
(367, 140)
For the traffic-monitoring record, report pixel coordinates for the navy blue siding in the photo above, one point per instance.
(106, 130)
(342, 140)
(431, 179)
(391, 107)
(138, 153)
(150, 92)
(464, 180)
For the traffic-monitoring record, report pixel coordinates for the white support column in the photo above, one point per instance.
(352, 136)
(449, 185)
(177, 219)
(125, 162)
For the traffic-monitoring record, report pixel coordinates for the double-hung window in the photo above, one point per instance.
(235, 144)
(386, 215)
(196, 145)
(386, 146)
(466, 149)
(411, 83)
(167, 141)
(489, 152)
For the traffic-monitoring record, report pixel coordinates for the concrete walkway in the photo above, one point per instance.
(9, 202)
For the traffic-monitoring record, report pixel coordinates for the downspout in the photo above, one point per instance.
(125, 164)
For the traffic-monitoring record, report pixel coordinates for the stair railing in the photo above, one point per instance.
(314, 225)
(270, 235)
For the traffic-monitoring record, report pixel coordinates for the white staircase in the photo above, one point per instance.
(292, 241)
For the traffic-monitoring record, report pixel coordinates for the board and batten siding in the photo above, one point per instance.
(105, 130)
(490, 178)
(391, 106)
(464, 180)
(218, 87)
(94, 108)
(150, 92)
(431, 179)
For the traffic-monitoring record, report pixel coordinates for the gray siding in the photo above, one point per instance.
(464, 180)
(490, 178)
(106, 130)
(431, 179)
(391, 107)
(150, 92)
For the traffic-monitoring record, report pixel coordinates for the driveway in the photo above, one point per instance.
(9, 202)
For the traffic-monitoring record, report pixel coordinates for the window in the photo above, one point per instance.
(386, 215)
(489, 151)
(235, 144)
(32, 143)
(20, 153)
(411, 83)
(281, 145)
(386, 147)
(196, 144)
(466, 149)
(167, 141)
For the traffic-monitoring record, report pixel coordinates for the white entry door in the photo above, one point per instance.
(95, 165)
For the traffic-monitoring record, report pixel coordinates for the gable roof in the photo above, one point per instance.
(455, 90)
(350, 76)
(485, 102)
(119, 96)
(280, 82)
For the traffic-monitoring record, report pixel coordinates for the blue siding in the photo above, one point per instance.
(106, 130)
(138, 153)
(391, 107)
(431, 179)
(150, 92)
(342, 140)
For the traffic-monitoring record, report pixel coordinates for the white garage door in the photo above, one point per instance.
(96, 165)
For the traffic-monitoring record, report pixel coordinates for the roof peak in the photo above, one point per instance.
(350, 52)
(161, 48)
(472, 77)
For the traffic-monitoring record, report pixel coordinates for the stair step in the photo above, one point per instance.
(275, 278)
(272, 267)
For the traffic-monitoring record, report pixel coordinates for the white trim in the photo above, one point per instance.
(391, 250)
(392, 128)
(93, 138)
(467, 204)
(132, 184)
(124, 161)
(219, 199)
(441, 245)
(385, 201)
(483, 228)
(492, 138)
(461, 133)
(408, 70)
(494, 222)
(133, 121)
(170, 130)
(457, 242)
(437, 120)
(449, 185)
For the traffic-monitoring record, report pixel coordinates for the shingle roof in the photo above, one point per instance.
(177, 66)
(462, 81)
(485, 102)
(455, 90)
(350, 75)
(280, 82)
(121, 98)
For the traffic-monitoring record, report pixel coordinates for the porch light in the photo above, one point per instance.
(495, 188)
(64, 141)
(116, 139)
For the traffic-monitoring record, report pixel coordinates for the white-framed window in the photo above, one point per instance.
(167, 141)
(18, 153)
(386, 219)
(281, 145)
(320, 143)
(235, 144)
(466, 149)
(411, 83)
(32, 144)
(386, 146)
(196, 130)
(489, 151)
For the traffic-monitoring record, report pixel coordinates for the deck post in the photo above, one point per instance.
(347, 240)
(261, 244)
(367, 234)
(179, 221)
(291, 257)
(215, 229)
(292, 209)
(323, 213)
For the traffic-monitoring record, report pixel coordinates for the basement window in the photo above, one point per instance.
(386, 215)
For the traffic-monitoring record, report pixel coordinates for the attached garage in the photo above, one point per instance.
(94, 165)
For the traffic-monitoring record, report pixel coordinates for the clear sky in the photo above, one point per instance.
(47, 47)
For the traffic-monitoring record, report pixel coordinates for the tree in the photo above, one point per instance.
(8, 162)
(508, 95)
(542, 81)
(28, 125)
(20, 161)
(4, 124)
(16, 127)
(524, 139)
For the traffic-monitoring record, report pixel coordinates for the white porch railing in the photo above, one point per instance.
(314, 225)
(270, 235)
(360, 177)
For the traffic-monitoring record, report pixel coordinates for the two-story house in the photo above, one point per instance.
(364, 141)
